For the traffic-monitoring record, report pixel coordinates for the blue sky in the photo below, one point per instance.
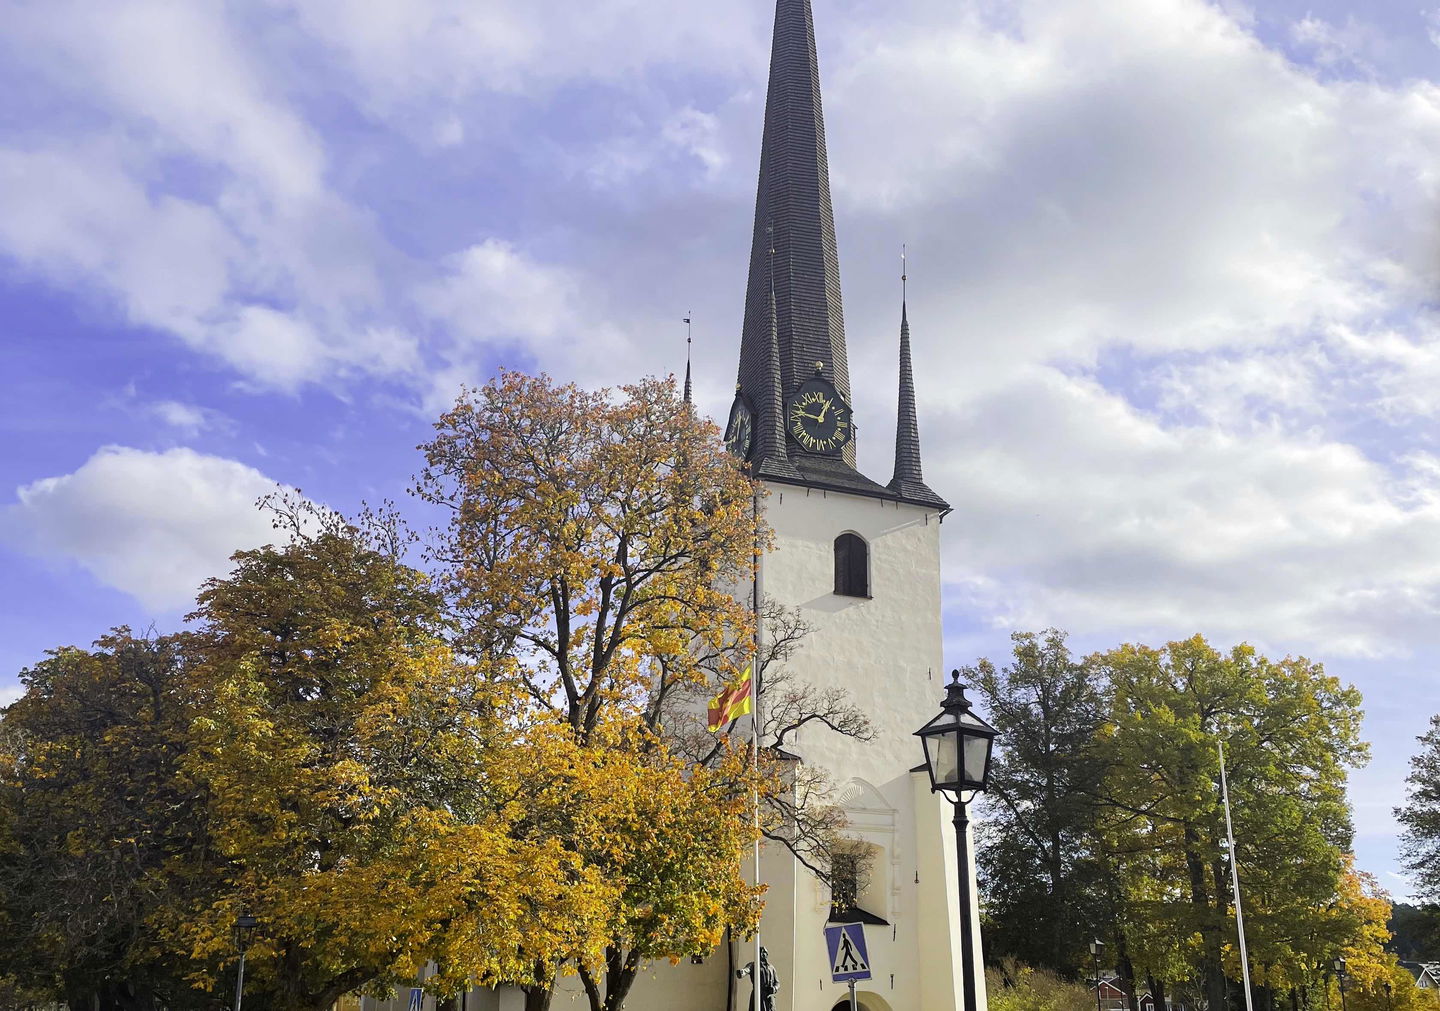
(1173, 290)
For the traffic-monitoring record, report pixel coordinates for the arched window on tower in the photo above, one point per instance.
(852, 566)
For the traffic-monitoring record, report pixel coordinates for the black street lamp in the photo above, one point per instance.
(1340, 975)
(957, 757)
(1388, 990)
(1095, 947)
(245, 925)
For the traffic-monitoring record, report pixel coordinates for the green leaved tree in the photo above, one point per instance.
(1045, 896)
(1291, 732)
(100, 832)
(1420, 816)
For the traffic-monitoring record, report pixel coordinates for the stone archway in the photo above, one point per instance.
(868, 1002)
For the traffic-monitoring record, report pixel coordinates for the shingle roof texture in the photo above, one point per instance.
(909, 480)
(794, 318)
(792, 205)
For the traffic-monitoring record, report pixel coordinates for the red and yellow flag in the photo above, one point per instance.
(731, 704)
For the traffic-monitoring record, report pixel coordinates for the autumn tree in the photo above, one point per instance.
(360, 780)
(597, 557)
(1420, 816)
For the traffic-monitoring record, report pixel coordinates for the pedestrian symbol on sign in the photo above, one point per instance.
(849, 959)
(417, 997)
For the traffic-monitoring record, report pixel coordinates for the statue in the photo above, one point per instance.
(769, 980)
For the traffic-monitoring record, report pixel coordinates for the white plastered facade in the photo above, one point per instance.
(885, 650)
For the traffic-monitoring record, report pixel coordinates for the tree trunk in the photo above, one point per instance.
(1224, 921)
(1126, 969)
(537, 998)
(617, 987)
(729, 970)
(1211, 967)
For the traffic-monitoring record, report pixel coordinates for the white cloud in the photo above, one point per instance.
(493, 296)
(189, 419)
(191, 193)
(1075, 509)
(153, 525)
(494, 291)
(1342, 46)
(1221, 249)
(10, 693)
(407, 53)
(698, 134)
(182, 76)
(1143, 173)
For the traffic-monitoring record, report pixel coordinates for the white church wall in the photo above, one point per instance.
(886, 651)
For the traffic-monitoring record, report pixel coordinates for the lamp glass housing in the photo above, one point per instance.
(958, 746)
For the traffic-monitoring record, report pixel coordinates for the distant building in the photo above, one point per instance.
(1115, 996)
(1427, 974)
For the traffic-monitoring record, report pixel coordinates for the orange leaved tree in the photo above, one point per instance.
(598, 557)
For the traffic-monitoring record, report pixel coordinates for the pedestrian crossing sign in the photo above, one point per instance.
(417, 998)
(848, 956)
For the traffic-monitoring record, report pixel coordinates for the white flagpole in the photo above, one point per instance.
(755, 747)
(1235, 879)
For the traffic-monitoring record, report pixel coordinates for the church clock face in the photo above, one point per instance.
(817, 418)
(740, 430)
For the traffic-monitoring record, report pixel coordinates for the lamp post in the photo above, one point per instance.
(1340, 976)
(1095, 947)
(1388, 990)
(957, 757)
(245, 925)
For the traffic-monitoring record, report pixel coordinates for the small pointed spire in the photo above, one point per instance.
(909, 481)
(687, 359)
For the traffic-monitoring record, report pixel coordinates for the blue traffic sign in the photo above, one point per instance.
(417, 999)
(848, 957)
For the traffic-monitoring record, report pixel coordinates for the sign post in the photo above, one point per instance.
(849, 957)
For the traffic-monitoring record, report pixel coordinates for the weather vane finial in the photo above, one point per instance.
(686, 321)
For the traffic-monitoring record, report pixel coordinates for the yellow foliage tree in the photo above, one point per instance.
(360, 781)
(597, 556)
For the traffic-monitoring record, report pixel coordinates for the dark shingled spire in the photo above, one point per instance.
(770, 457)
(687, 370)
(793, 199)
(909, 482)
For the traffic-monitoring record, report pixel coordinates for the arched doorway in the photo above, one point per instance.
(865, 1002)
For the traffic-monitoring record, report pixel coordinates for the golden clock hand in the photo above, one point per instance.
(824, 410)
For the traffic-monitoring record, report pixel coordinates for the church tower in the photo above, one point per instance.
(860, 563)
(859, 560)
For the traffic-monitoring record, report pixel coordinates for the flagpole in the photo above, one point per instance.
(755, 976)
(1235, 878)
